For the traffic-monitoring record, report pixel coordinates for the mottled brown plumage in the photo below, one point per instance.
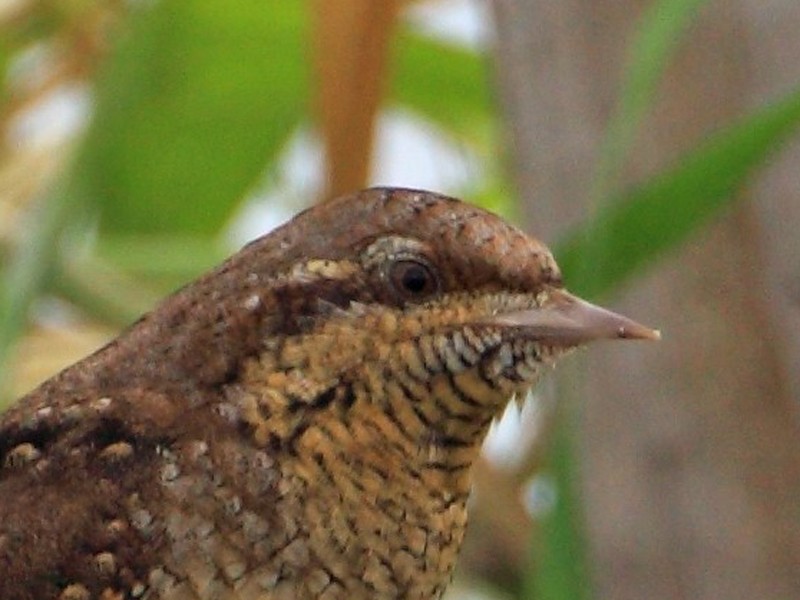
(298, 423)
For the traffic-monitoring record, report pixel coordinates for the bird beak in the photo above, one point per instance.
(566, 320)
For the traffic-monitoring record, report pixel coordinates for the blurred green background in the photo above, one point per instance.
(651, 144)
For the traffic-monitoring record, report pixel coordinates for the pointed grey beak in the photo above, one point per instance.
(567, 320)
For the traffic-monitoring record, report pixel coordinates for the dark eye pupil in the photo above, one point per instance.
(412, 278)
(415, 279)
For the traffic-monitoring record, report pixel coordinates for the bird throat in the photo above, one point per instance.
(377, 446)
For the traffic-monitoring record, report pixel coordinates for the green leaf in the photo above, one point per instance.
(31, 265)
(559, 544)
(655, 217)
(658, 36)
(444, 83)
(198, 98)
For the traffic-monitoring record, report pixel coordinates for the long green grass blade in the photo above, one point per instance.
(646, 222)
(559, 546)
(31, 265)
(657, 38)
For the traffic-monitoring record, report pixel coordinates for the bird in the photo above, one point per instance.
(300, 422)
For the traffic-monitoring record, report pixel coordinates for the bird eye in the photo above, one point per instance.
(412, 278)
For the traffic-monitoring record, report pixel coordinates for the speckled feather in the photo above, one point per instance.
(290, 425)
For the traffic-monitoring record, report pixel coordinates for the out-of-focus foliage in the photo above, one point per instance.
(195, 99)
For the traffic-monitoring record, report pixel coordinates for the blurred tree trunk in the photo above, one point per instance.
(691, 449)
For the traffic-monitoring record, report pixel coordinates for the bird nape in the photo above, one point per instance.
(300, 422)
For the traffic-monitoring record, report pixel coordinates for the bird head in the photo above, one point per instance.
(420, 304)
